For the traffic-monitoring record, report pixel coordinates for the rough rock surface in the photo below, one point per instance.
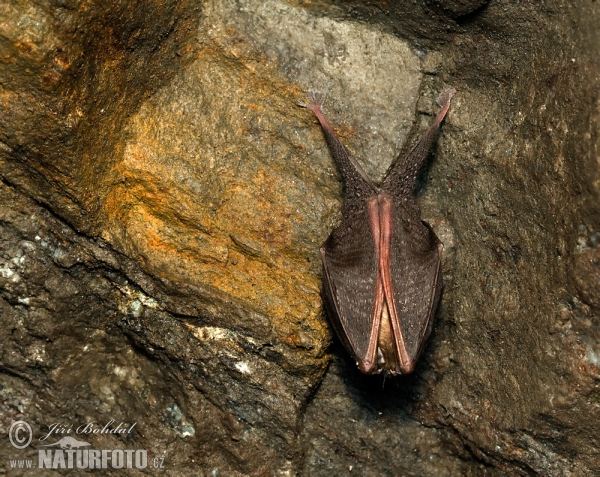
(163, 199)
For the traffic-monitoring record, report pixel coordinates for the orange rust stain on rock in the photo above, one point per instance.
(25, 47)
(162, 244)
(200, 214)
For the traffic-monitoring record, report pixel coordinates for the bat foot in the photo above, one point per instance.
(316, 99)
(445, 96)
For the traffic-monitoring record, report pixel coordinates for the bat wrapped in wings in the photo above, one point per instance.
(382, 269)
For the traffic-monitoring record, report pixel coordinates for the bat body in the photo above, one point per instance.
(382, 270)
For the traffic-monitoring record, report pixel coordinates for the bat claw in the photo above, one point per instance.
(315, 98)
(446, 96)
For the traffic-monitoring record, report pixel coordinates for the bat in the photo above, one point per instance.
(382, 274)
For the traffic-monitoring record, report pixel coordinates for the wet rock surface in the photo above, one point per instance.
(163, 199)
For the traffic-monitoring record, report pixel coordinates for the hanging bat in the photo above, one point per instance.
(382, 270)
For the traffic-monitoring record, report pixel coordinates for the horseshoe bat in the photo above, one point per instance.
(382, 279)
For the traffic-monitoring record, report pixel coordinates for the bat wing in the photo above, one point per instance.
(416, 279)
(350, 281)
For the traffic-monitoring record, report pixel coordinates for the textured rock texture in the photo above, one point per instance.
(163, 199)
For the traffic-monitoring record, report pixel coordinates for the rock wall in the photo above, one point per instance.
(164, 197)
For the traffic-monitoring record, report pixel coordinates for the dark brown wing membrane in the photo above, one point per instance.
(350, 265)
(416, 278)
(358, 185)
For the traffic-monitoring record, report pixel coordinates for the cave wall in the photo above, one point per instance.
(164, 197)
